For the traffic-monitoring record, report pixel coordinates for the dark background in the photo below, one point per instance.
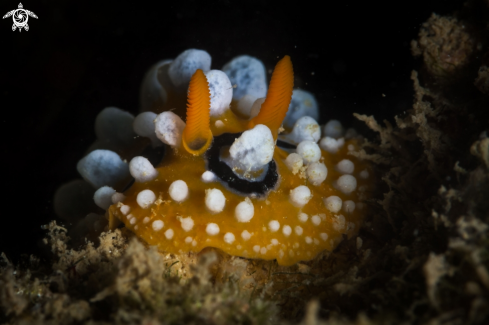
(81, 56)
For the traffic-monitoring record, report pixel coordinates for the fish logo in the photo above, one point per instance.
(20, 17)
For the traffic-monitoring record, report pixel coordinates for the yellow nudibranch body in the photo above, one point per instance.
(289, 215)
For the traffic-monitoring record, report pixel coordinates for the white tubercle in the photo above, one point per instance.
(299, 196)
(142, 170)
(303, 217)
(303, 103)
(294, 162)
(364, 174)
(316, 173)
(169, 234)
(333, 203)
(256, 107)
(252, 150)
(339, 223)
(305, 129)
(298, 230)
(157, 225)
(145, 198)
(187, 223)
(153, 92)
(117, 197)
(208, 177)
(345, 166)
(316, 220)
(245, 104)
(331, 144)
(212, 229)
(219, 124)
(221, 91)
(214, 200)
(103, 167)
(185, 65)
(103, 197)
(287, 230)
(249, 76)
(144, 126)
(244, 211)
(333, 129)
(229, 237)
(178, 190)
(245, 235)
(115, 126)
(169, 128)
(346, 183)
(349, 206)
(350, 133)
(309, 151)
(274, 225)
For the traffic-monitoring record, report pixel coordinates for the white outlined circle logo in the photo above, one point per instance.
(20, 17)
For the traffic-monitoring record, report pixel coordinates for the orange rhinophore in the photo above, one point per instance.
(197, 135)
(274, 109)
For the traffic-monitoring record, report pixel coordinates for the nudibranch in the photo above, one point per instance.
(235, 182)
(217, 159)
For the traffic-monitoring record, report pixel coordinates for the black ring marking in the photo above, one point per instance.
(226, 174)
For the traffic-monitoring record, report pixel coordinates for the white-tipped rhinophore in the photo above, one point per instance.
(299, 196)
(169, 128)
(178, 191)
(305, 129)
(214, 200)
(153, 93)
(244, 211)
(303, 103)
(113, 127)
(245, 104)
(74, 200)
(144, 126)
(294, 162)
(345, 166)
(103, 167)
(253, 150)
(333, 129)
(185, 65)
(316, 173)
(346, 183)
(103, 197)
(248, 74)
(142, 170)
(221, 91)
(309, 151)
(331, 145)
(333, 203)
(145, 198)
